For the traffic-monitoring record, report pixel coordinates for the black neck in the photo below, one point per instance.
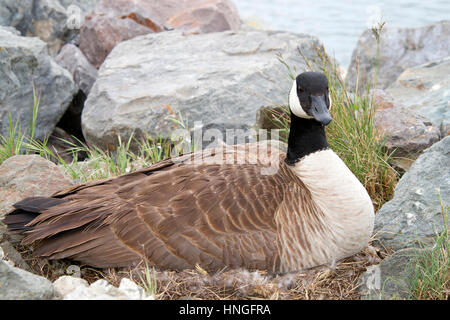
(306, 136)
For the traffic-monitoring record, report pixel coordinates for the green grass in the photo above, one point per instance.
(148, 280)
(102, 164)
(431, 277)
(17, 142)
(99, 164)
(13, 143)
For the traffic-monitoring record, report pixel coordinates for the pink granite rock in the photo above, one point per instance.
(100, 34)
(206, 16)
(114, 21)
(26, 176)
(407, 133)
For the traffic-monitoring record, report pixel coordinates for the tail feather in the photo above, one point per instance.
(26, 211)
(37, 204)
(17, 220)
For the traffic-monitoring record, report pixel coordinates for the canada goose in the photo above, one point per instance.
(312, 211)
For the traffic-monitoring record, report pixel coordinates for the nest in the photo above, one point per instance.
(338, 282)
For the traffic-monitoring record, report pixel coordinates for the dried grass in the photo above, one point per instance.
(339, 282)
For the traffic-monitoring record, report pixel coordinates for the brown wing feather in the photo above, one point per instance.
(172, 214)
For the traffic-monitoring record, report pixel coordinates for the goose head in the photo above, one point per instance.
(310, 103)
(309, 97)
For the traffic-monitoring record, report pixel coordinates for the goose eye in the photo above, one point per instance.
(300, 90)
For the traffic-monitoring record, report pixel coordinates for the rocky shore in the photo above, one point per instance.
(107, 68)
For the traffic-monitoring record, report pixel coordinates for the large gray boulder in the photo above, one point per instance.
(414, 214)
(12, 255)
(16, 13)
(24, 62)
(213, 78)
(400, 48)
(425, 89)
(53, 21)
(18, 284)
(49, 23)
(409, 223)
(390, 279)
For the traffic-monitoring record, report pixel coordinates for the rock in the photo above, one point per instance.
(406, 132)
(72, 59)
(24, 62)
(390, 279)
(132, 291)
(414, 214)
(208, 77)
(425, 90)
(101, 33)
(86, 6)
(400, 48)
(65, 285)
(114, 21)
(76, 11)
(84, 75)
(26, 176)
(48, 22)
(202, 16)
(12, 30)
(16, 14)
(12, 255)
(54, 21)
(72, 288)
(18, 284)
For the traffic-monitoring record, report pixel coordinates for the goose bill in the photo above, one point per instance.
(319, 110)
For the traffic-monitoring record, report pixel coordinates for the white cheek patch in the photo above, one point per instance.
(329, 99)
(294, 103)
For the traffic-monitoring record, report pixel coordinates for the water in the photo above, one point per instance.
(340, 23)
